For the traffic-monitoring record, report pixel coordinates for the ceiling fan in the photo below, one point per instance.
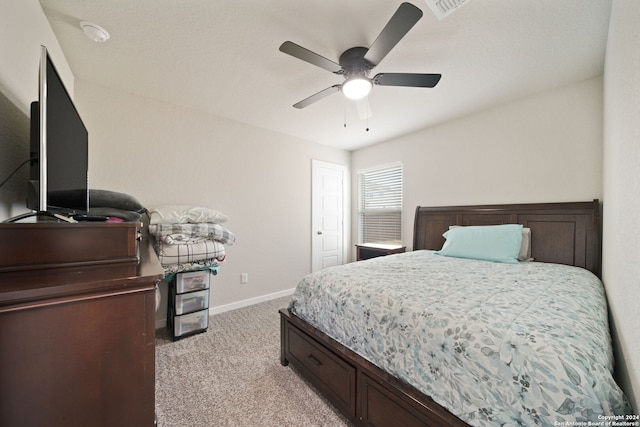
(356, 63)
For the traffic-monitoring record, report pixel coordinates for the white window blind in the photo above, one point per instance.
(380, 205)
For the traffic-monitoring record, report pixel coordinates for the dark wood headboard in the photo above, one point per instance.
(562, 233)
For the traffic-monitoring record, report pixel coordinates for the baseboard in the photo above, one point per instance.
(162, 323)
(251, 301)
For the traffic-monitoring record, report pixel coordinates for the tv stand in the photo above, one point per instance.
(77, 339)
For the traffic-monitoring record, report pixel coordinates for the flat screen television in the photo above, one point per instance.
(58, 180)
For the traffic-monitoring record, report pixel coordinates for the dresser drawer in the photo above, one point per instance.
(334, 376)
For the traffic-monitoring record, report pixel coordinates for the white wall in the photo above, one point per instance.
(544, 148)
(163, 154)
(23, 29)
(621, 251)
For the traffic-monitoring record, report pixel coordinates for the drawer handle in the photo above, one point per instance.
(314, 360)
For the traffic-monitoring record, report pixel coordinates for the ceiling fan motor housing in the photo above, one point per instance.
(353, 63)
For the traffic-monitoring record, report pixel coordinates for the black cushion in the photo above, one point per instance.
(131, 216)
(112, 199)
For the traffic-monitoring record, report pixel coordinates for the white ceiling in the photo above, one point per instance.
(222, 57)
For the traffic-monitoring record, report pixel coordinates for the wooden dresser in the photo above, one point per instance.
(77, 340)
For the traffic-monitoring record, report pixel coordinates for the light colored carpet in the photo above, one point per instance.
(231, 376)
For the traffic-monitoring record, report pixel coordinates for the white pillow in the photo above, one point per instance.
(525, 248)
(181, 214)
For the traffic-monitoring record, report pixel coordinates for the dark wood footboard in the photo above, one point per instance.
(362, 392)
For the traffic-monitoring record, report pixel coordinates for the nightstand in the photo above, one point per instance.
(372, 250)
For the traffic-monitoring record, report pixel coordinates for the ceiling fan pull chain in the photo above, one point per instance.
(344, 108)
(368, 114)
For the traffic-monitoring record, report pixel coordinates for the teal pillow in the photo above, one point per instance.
(499, 243)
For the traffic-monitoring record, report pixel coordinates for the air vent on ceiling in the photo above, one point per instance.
(443, 8)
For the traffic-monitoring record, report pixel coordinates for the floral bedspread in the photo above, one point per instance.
(496, 344)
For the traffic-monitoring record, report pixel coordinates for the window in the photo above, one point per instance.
(380, 205)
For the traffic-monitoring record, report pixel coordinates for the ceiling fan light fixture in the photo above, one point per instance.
(356, 87)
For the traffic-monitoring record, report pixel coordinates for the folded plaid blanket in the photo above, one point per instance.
(173, 234)
(180, 254)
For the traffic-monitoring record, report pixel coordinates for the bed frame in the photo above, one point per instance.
(563, 233)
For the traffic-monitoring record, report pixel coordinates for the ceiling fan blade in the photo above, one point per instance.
(364, 108)
(318, 96)
(310, 57)
(400, 23)
(406, 79)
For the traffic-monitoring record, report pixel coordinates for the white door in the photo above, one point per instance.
(327, 214)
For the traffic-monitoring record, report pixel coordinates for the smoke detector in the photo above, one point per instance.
(95, 32)
(443, 8)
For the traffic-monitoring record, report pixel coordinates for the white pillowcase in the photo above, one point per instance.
(182, 214)
(525, 248)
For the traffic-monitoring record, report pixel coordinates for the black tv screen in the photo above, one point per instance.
(59, 148)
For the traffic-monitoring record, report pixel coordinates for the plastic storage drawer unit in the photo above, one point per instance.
(188, 311)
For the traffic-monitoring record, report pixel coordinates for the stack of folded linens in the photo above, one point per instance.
(189, 237)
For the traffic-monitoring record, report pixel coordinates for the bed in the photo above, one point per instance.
(425, 339)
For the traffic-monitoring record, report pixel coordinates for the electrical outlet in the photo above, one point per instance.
(244, 278)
